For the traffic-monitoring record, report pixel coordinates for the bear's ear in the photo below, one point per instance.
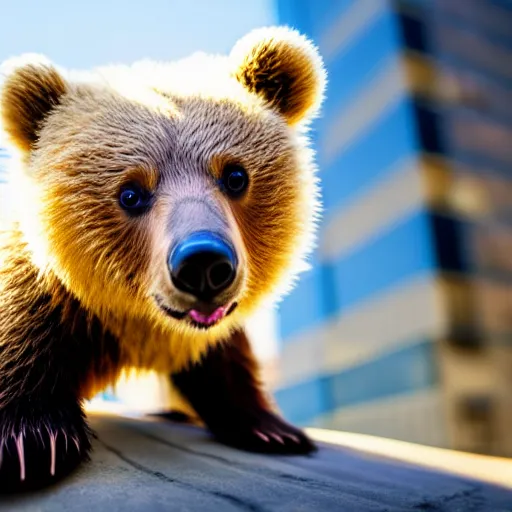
(30, 89)
(282, 67)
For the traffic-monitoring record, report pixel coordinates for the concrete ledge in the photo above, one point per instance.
(149, 465)
(493, 470)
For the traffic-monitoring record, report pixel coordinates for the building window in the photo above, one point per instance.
(474, 135)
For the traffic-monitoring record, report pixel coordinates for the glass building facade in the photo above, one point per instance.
(403, 328)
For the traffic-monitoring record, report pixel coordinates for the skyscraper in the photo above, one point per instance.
(403, 328)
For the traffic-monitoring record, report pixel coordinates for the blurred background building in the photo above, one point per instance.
(403, 327)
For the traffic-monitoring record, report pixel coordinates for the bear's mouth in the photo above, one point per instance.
(196, 317)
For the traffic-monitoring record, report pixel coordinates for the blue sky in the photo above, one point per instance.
(98, 32)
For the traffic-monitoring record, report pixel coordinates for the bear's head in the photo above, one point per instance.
(183, 193)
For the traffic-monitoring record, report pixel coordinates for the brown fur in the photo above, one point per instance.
(79, 277)
(287, 78)
(43, 86)
(227, 393)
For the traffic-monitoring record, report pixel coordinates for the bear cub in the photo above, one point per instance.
(158, 206)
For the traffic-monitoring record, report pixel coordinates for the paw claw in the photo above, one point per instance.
(21, 455)
(33, 446)
(53, 451)
(261, 435)
(294, 438)
(264, 433)
(279, 439)
(77, 444)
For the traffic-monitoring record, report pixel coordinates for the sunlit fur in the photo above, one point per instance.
(76, 138)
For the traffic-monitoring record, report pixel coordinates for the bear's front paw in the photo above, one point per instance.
(39, 445)
(264, 432)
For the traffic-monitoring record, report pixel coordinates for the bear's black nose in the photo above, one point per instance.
(203, 264)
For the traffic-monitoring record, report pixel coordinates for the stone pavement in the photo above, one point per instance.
(141, 465)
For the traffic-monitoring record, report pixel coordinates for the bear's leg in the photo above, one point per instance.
(225, 391)
(46, 363)
(42, 438)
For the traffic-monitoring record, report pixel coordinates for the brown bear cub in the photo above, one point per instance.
(159, 206)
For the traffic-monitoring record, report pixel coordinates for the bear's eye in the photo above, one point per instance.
(234, 180)
(134, 199)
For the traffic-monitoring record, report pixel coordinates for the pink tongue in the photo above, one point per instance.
(207, 320)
